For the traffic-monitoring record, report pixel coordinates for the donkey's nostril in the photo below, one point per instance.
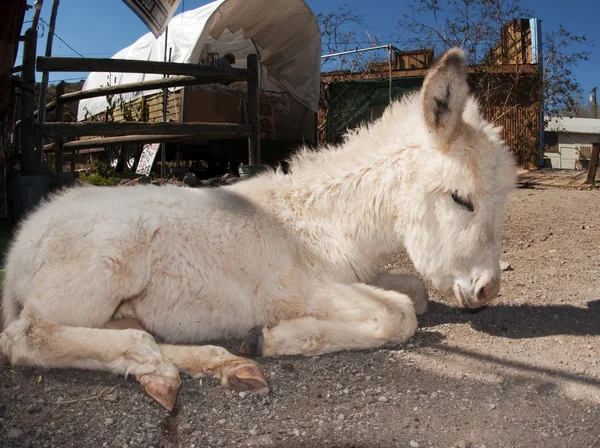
(480, 295)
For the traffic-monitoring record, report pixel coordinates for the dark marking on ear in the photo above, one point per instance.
(454, 59)
(442, 106)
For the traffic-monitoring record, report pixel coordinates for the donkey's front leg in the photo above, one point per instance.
(338, 317)
(411, 285)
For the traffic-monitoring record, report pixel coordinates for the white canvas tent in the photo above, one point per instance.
(284, 34)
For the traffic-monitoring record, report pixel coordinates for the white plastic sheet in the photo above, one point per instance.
(284, 33)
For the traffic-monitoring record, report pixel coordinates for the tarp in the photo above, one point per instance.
(284, 34)
(351, 103)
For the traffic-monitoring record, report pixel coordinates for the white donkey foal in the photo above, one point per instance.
(292, 262)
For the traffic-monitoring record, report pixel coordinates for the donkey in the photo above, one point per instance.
(126, 279)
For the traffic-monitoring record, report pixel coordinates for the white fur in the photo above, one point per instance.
(299, 252)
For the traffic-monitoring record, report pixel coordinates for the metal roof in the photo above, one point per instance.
(573, 125)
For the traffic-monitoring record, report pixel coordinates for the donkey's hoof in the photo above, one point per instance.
(253, 342)
(162, 389)
(246, 377)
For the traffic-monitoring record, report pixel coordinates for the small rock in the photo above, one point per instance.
(382, 399)
(111, 398)
(287, 367)
(433, 395)
(14, 433)
(222, 421)
(505, 266)
(253, 432)
(296, 432)
(414, 444)
(259, 441)
(191, 180)
(339, 386)
(341, 417)
(243, 394)
(492, 406)
(34, 409)
(108, 421)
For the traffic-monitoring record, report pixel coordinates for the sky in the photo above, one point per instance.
(93, 28)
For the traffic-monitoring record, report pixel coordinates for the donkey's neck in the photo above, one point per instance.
(352, 194)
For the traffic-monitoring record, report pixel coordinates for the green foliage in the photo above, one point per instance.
(99, 175)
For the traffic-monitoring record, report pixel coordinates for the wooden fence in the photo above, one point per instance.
(32, 134)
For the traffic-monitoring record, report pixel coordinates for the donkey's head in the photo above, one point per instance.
(459, 191)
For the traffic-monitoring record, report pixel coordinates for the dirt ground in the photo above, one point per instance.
(523, 372)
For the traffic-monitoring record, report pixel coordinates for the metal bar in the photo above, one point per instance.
(359, 50)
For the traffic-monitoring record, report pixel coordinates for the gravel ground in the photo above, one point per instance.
(524, 372)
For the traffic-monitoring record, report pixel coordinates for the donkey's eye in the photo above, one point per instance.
(462, 202)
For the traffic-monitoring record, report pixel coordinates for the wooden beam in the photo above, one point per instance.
(124, 128)
(54, 64)
(253, 110)
(28, 137)
(101, 142)
(591, 174)
(138, 87)
(58, 142)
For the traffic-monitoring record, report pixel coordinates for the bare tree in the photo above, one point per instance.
(344, 29)
(476, 25)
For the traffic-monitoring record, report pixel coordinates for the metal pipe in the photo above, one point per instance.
(359, 50)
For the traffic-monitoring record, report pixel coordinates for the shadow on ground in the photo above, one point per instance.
(520, 321)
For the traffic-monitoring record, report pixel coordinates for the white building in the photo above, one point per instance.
(568, 142)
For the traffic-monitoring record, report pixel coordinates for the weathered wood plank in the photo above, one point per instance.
(591, 174)
(28, 136)
(101, 142)
(253, 110)
(139, 86)
(55, 64)
(58, 142)
(124, 128)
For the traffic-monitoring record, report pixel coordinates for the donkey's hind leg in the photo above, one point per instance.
(236, 373)
(338, 317)
(411, 285)
(31, 341)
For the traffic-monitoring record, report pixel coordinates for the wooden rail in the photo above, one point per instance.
(137, 87)
(124, 128)
(100, 142)
(120, 133)
(54, 64)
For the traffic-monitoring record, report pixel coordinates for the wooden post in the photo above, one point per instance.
(44, 84)
(591, 174)
(28, 165)
(253, 108)
(58, 142)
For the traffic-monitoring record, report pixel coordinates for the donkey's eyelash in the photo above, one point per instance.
(463, 202)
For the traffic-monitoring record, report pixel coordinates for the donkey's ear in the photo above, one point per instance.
(445, 92)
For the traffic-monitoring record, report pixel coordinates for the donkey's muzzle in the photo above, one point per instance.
(479, 293)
